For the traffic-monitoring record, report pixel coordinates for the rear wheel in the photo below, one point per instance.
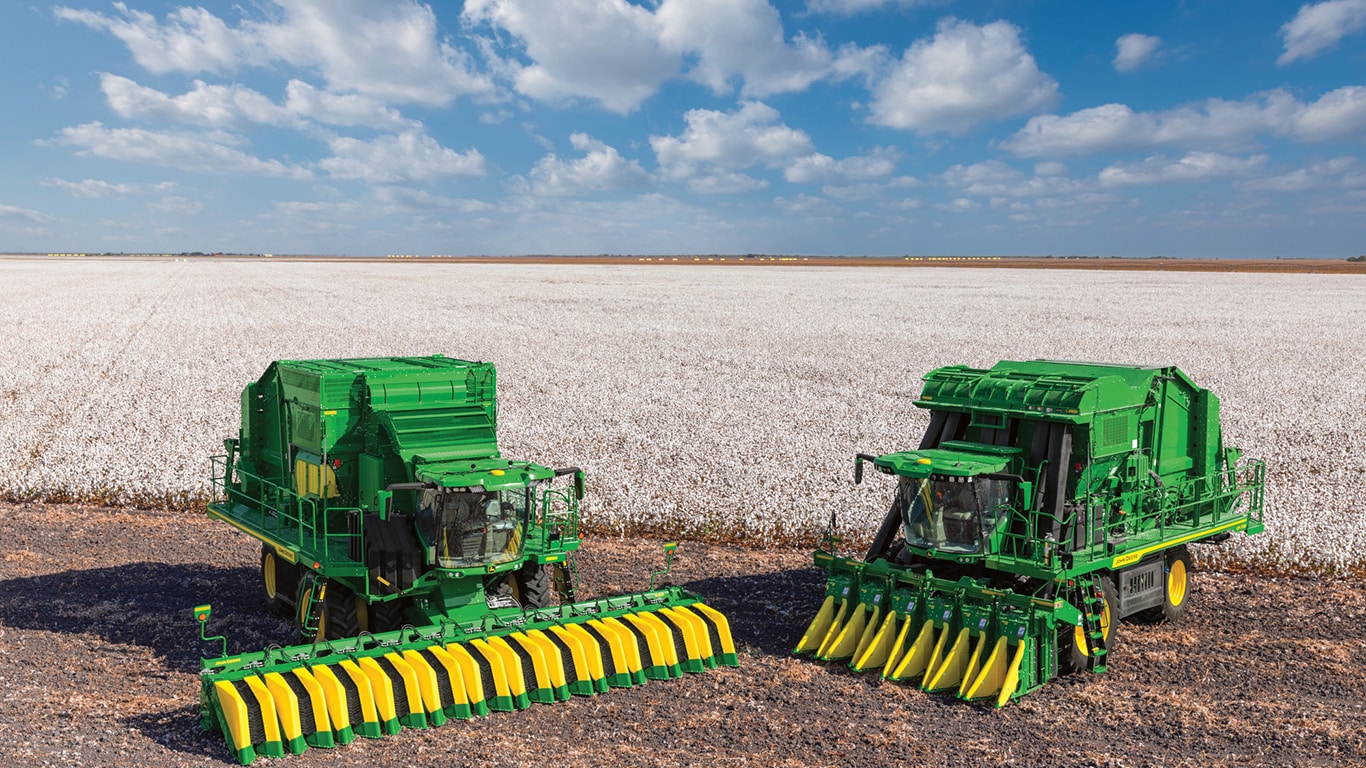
(277, 581)
(1176, 588)
(1073, 655)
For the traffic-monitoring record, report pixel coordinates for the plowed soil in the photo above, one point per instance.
(99, 658)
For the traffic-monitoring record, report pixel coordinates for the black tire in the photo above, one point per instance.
(528, 585)
(387, 616)
(278, 581)
(341, 614)
(1176, 589)
(533, 586)
(1072, 654)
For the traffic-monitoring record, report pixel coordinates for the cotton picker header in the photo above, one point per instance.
(430, 578)
(1047, 501)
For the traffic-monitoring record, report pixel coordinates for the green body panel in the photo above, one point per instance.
(320, 442)
(1088, 470)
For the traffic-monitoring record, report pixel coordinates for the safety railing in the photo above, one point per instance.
(1103, 525)
(558, 518)
(322, 532)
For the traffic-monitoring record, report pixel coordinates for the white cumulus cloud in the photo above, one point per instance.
(962, 76)
(601, 168)
(851, 7)
(390, 51)
(1337, 173)
(741, 39)
(217, 106)
(1319, 26)
(1193, 167)
(23, 215)
(752, 134)
(1134, 50)
(1216, 123)
(606, 50)
(817, 168)
(619, 53)
(206, 152)
(408, 156)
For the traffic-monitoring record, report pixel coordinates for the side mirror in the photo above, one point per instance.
(578, 480)
(859, 458)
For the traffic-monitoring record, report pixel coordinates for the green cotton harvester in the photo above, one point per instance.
(1046, 501)
(430, 578)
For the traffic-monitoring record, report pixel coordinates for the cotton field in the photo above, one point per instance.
(722, 402)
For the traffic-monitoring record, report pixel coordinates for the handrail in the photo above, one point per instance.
(298, 518)
(1186, 504)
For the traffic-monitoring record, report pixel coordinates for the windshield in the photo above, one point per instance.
(954, 514)
(473, 529)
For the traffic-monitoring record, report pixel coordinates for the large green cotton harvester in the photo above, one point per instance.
(430, 578)
(1046, 501)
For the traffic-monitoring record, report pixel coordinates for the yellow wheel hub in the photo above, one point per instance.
(1177, 583)
(268, 574)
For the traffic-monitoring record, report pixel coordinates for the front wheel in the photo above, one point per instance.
(528, 585)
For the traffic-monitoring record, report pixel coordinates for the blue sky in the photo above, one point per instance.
(881, 127)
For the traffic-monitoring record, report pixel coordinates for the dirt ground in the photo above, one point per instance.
(99, 658)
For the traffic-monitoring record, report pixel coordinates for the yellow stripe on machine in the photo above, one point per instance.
(722, 627)
(592, 655)
(1129, 558)
(898, 646)
(235, 714)
(381, 689)
(369, 709)
(333, 695)
(846, 642)
(880, 645)
(936, 655)
(455, 673)
(630, 650)
(992, 677)
(974, 664)
(469, 671)
(666, 638)
(494, 658)
(832, 629)
(819, 627)
(512, 667)
(540, 665)
(286, 707)
(270, 722)
(870, 629)
(427, 685)
(704, 644)
(693, 631)
(1012, 680)
(554, 659)
(923, 651)
(653, 642)
(949, 672)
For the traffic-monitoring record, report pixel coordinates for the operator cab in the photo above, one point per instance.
(954, 514)
(954, 499)
(473, 528)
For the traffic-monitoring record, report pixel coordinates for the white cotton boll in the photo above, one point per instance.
(718, 402)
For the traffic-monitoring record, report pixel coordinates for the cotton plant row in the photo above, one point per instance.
(717, 402)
